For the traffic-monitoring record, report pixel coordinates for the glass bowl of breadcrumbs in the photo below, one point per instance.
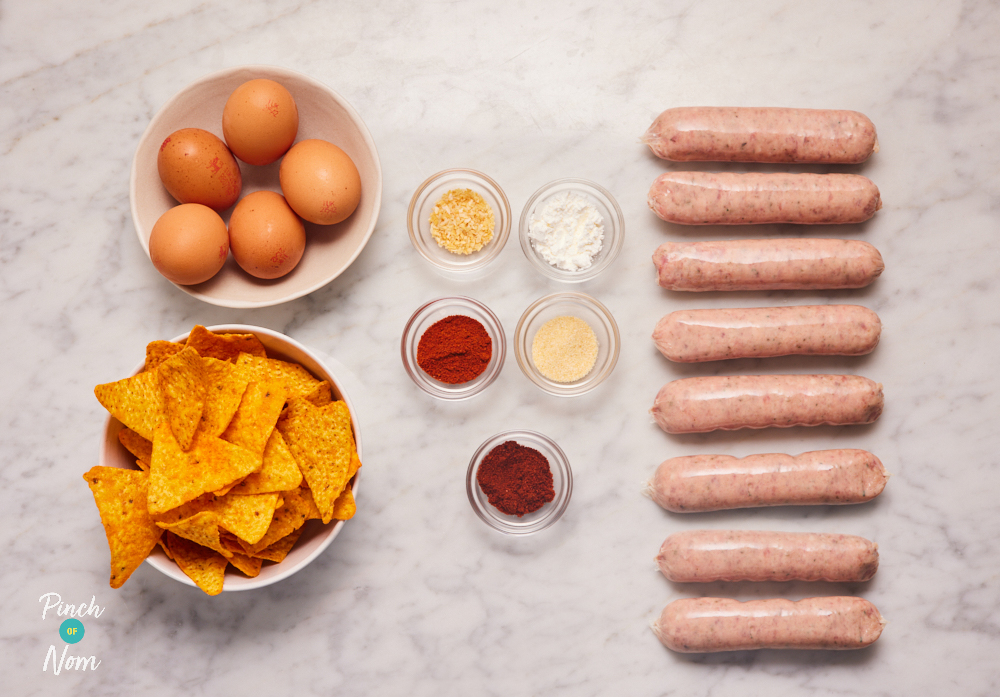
(459, 220)
(566, 343)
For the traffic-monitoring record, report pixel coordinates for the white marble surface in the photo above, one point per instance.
(417, 597)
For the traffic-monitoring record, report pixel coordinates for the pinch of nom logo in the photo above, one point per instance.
(71, 631)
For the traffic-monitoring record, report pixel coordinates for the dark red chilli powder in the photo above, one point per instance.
(516, 479)
(455, 349)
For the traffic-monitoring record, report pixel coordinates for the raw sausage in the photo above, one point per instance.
(701, 556)
(693, 336)
(777, 264)
(695, 625)
(721, 482)
(756, 134)
(753, 198)
(697, 405)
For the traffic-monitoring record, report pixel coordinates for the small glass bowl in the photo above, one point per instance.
(614, 228)
(575, 305)
(530, 523)
(418, 220)
(435, 310)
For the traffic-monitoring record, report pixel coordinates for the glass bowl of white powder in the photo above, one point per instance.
(571, 230)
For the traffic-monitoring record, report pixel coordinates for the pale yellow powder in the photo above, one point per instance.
(564, 349)
(462, 222)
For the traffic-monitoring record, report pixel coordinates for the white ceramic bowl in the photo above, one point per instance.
(419, 225)
(614, 228)
(576, 305)
(316, 537)
(323, 114)
(562, 482)
(434, 311)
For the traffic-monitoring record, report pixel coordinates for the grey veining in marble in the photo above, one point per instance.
(417, 597)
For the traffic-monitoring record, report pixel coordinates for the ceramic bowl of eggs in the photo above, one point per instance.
(254, 186)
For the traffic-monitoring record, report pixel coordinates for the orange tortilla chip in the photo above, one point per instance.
(177, 477)
(143, 465)
(247, 564)
(254, 420)
(344, 507)
(182, 379)
(321, 442)
(202, 528)
(277, 551)
(203, 566)
(159, 351)
(120, 495)
(322, 395)
(247, 517)
(136, 401)
(225, 347)
(297, 509)
(279, 472)
(225, 387)
(141, 447)
(300, 381)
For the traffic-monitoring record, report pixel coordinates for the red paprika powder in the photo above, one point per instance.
(455, 349)
(516, 479)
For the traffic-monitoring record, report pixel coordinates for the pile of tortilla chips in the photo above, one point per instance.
(235, 452)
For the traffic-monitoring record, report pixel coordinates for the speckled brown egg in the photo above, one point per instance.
(267, 238)
(197, 167)
(259, 121)
(189, 244)
(320, 181)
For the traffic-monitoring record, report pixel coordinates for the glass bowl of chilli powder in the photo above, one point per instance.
(519, 482)
(566, 343)
(453, 347)
(459, 221)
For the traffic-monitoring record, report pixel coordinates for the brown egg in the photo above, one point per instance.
(267, 237)
(260, 121)
(320, 182)
(197, 167)
(189, 244)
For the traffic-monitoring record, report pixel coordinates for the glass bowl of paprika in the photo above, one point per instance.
(519, 482)
(453, 348)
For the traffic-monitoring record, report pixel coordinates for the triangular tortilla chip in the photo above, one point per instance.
(322, 395)
(247, 517)
(300, 381)
(254, 420)
(279, 472)
(321, 442)
(159, 351)
(225, 347)
(177, 477)
(278, 550)
(120, 495)
(136, 401)
(247, 564)
(203, 566)
(136, 444)
(344, 507)
(182, 379)
(226, 385)
(202, 528)
(296, 510)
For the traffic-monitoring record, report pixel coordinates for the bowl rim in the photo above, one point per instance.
(167, 566)
(500, 349)
(272, 71)
(570, 389)
(500, 237)
(617, 222)
(561, 500)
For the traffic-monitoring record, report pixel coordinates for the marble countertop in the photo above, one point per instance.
(417, 596)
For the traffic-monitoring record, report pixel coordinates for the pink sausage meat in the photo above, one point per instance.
(697, 625)
(720, 482)
(753, 198)
(693, 336)
(778, 264)
(702, 556)
(698, 405)
(762, 134)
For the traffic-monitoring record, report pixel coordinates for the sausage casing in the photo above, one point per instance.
(693, 336)
(698, 405)
(774, 264)
(720, 482)
(754, 198)
(697, 625)
(701, 556)
(762, 134)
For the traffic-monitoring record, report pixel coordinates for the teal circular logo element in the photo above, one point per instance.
(71, 631)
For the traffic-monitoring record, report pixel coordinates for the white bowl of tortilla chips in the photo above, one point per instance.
(234, 488)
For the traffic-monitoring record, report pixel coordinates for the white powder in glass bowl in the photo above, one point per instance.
(567, 231)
